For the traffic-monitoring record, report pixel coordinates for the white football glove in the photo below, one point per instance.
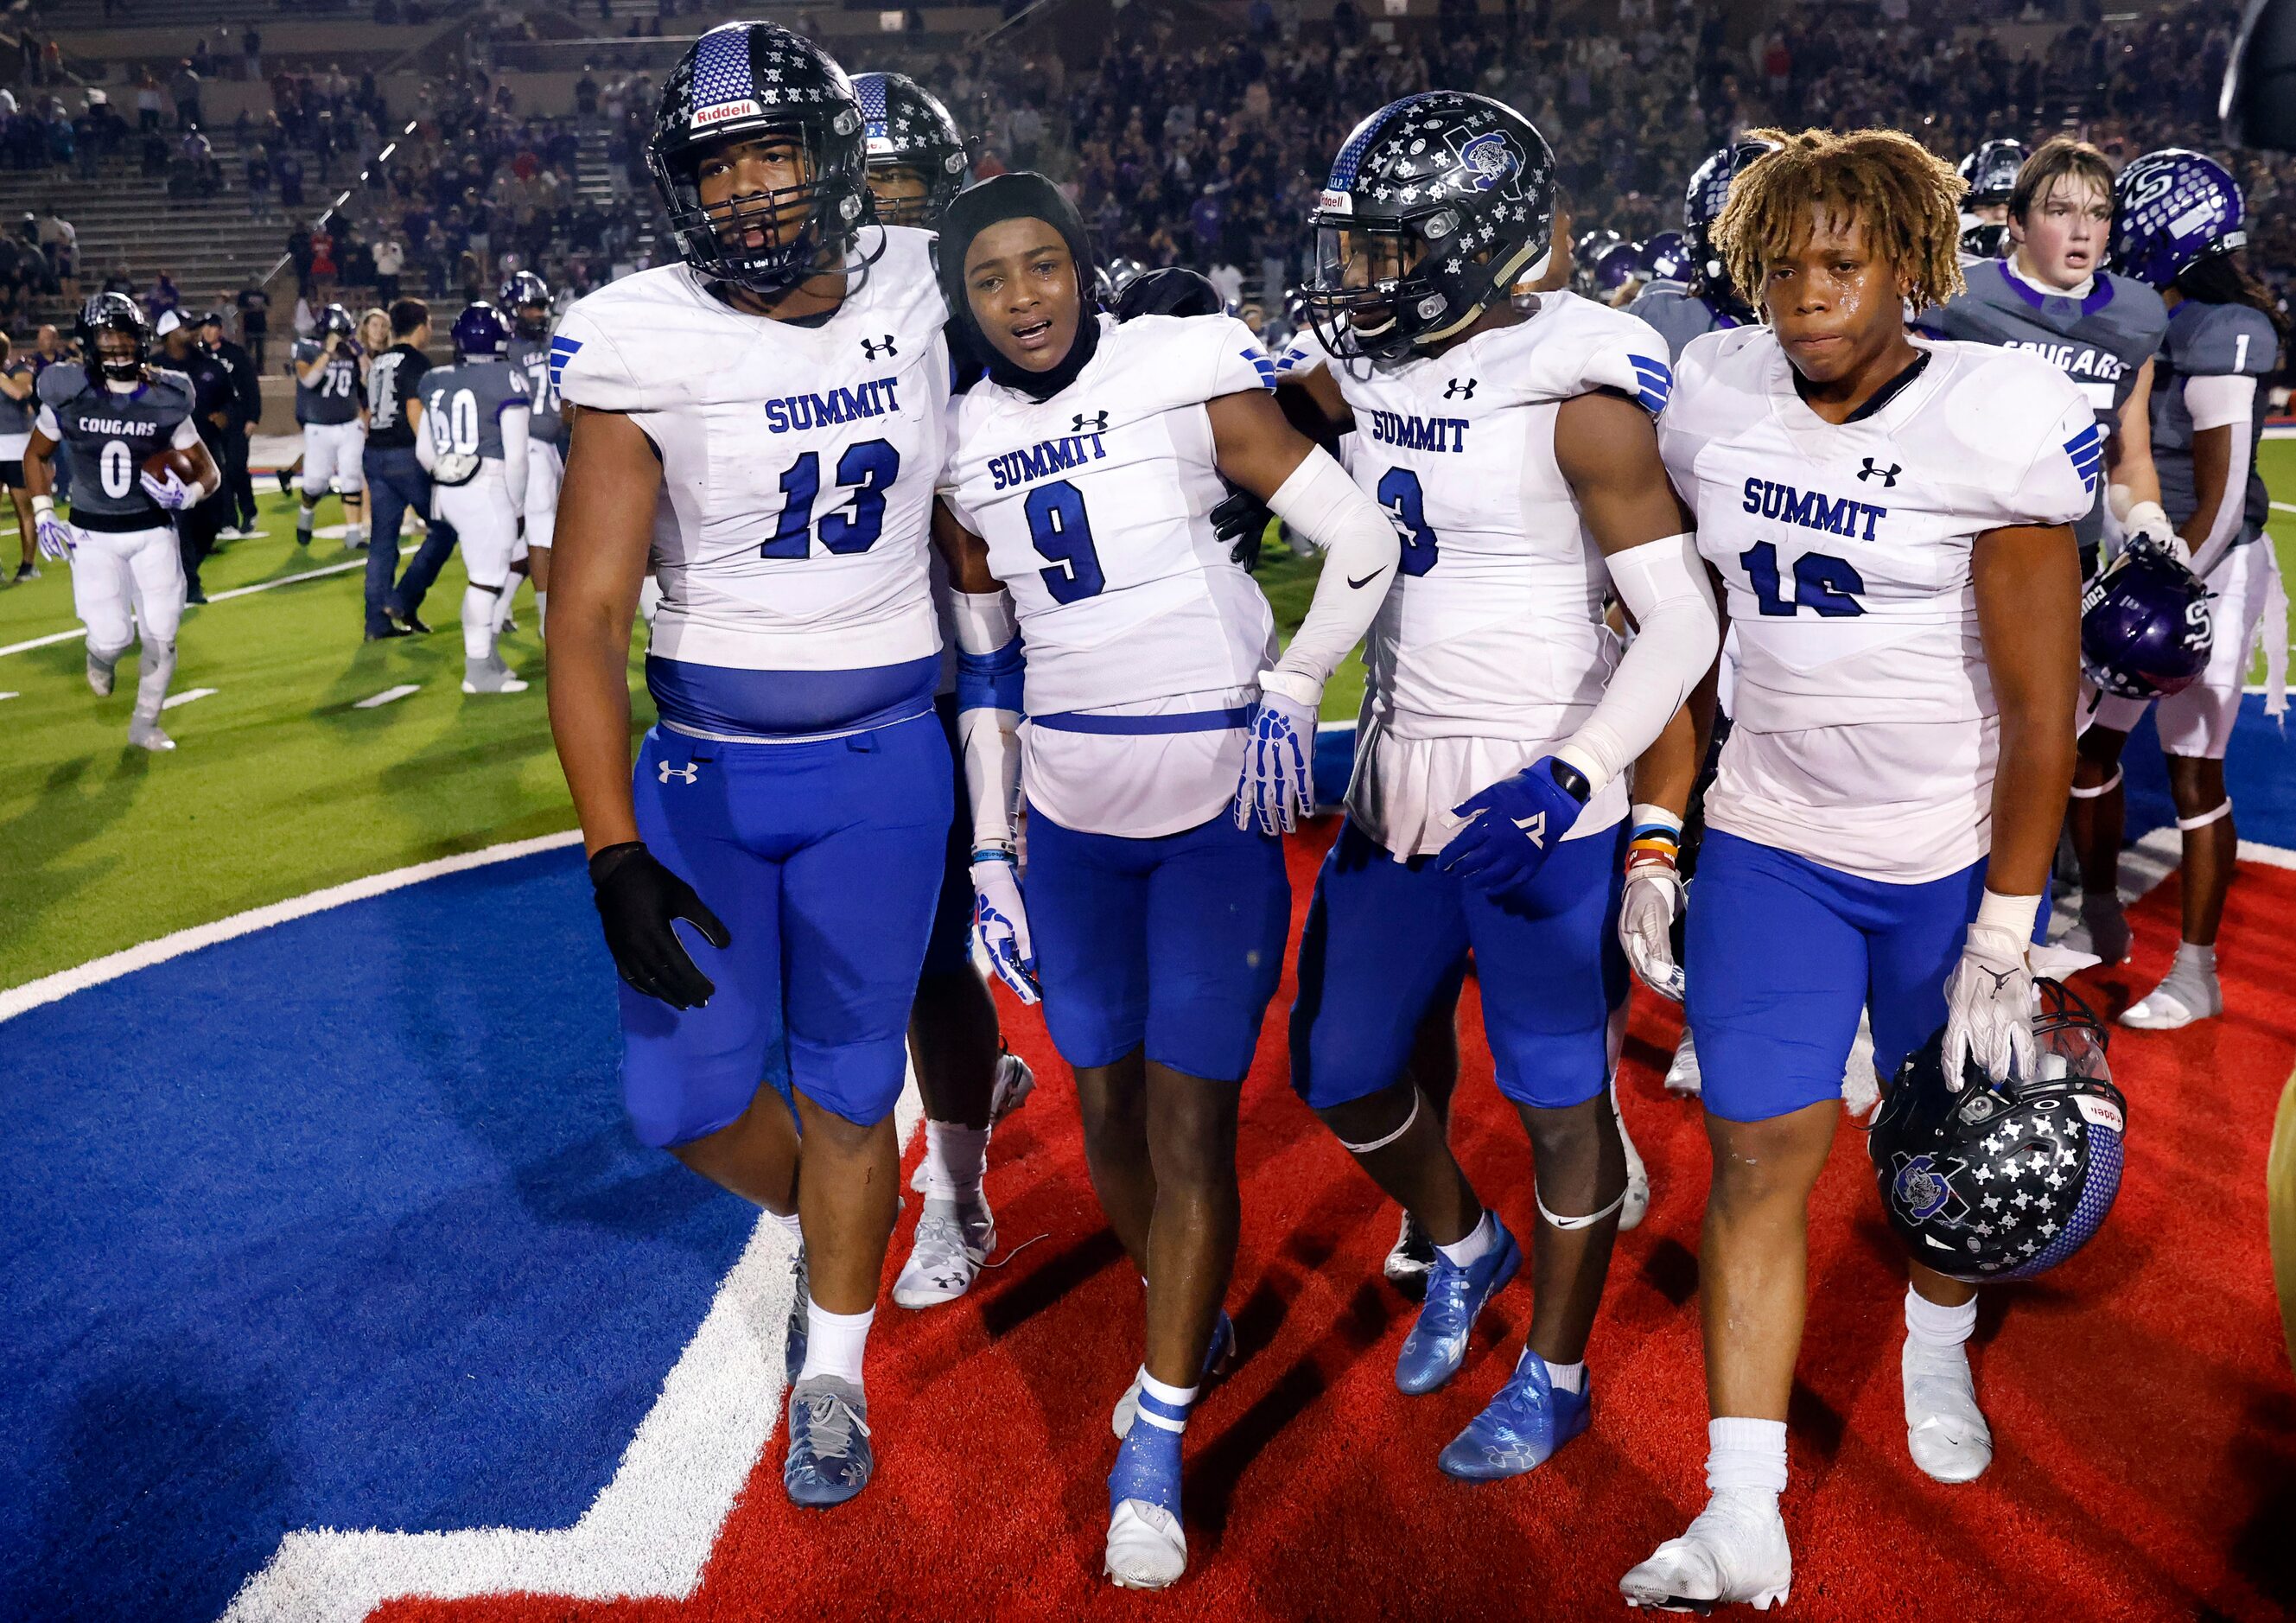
(1001, 924)
(171, 493)
(1652, 902)
(1276, 790)
(1988, 1003)
(55, 537)
(2149, 521)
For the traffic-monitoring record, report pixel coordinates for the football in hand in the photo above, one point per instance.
(169, 459)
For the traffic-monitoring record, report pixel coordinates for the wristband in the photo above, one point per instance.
(44, 506)
(1002, 850)
(2012, 913)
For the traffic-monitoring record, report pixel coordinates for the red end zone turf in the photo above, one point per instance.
(2142, 1405)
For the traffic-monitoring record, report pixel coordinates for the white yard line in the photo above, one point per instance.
(187, 696)
(377, 700)
(219, 597)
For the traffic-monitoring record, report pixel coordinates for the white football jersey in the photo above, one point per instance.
(1865, 730)
(1096, 506)
(798, 460)
(1490, 648)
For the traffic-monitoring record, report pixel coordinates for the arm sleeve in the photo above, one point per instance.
(185, 437)
(2228, 402)
(515, 417)
(1360, 551)
(425, 453)
(47, 423)
(989, 668)
(1663, 585)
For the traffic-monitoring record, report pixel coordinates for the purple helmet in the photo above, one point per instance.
(2145, 631)
(2174, 207)
(481, 333)
(1666, 258)
(1615, 267)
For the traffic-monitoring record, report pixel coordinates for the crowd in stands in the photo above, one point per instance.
(1205, 154)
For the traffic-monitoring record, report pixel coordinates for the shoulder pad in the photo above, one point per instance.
(1572, 346)
(60, 382)
(2223, 339)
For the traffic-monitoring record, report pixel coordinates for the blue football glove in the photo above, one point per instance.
(1278, 787)
(1001, 924)
(1513, 825)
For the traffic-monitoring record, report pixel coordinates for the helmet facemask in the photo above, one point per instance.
(1382, 288)
(767, 240)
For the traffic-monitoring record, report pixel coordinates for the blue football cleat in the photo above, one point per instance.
(1146, 1547)
(829, 1455)
(1438, 1343)
(1218, 1357)
(1520, 1430)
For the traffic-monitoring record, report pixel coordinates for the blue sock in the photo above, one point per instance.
(1148, 1462)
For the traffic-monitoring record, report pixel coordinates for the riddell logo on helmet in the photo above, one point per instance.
(1336, 202)
(719, 112)
(2099, 1112)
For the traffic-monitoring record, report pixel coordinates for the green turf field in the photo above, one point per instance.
(281, 785)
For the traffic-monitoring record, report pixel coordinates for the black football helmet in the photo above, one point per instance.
(113, 313)
(1173, 291)
(1984, 239)
(1701, 205)
(2003, 1180)
(1991, 172)
(1437, 205)
(905, 126)
(741, 81)
(521, 293)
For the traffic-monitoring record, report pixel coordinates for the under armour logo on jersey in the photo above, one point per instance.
(1888, 476)
(1535, 828)
(869, 346)
(687, 773)
(1097, 423)
(1456, 390)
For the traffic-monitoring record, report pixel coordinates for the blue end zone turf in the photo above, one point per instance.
(334, 1225)
(2259, 775)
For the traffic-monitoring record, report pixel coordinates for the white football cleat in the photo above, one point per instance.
(1146, 1549)
(2186, 994)
(1682, 1075)
(1737, 1551)
(951, 1244)
(145, 734)
(1944, 1430)
(1637, 1205)
(1014, 1083)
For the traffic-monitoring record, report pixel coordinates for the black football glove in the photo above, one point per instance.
(637, 899)
(1241, 517)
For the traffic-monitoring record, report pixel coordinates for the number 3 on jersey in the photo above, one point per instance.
(1407, 509)
(868, 470)
(1823, 583)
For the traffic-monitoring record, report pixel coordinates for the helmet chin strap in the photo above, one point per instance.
(1502, 285)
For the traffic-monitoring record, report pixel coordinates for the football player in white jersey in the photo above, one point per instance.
(2179, 229)
(1892, 522)
(1512, 445)
(1165, 748)
(760, 424)
(965, 1081)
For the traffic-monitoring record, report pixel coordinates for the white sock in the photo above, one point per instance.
(541, 610)
(2193, 957)
(305, 519)
(834, 1342)
(1169, 1411)
(1564, 1377)
(1935, 1326)
(788, 1220)
(1746, 1457)
(1465, 1253)
(955, 1157)
(478, 606)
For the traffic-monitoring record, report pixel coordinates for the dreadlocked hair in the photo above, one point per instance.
(1910, 200)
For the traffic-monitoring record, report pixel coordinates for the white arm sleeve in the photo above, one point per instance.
(185, 437)
(988, 736)
(2225, 402)
(425, 452)
(1664, 586)
(1360, 551)
(515, 419)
